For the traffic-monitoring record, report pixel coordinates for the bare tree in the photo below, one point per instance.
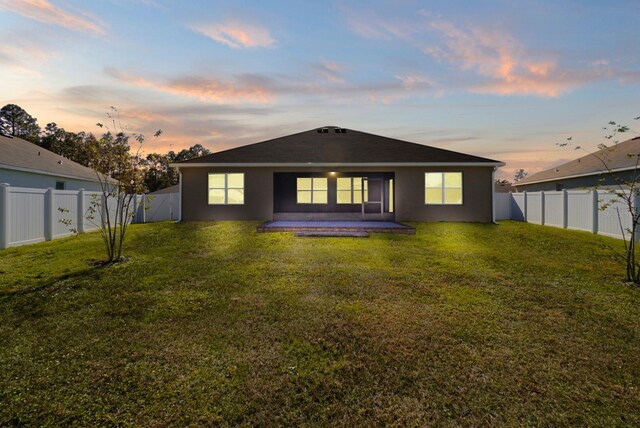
(625, 188)
(121, 177)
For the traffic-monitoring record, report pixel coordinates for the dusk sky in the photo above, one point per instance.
(503, 79)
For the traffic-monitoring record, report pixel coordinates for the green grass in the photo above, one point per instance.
(212, 323)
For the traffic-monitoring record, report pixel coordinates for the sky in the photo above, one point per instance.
(504, 79)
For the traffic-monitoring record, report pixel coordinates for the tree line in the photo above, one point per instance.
(81, 146)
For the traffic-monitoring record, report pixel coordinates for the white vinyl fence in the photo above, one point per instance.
(569, 209)
(31, 215)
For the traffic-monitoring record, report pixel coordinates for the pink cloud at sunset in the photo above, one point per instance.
(236, 34)
(48, 13)
(242, 89)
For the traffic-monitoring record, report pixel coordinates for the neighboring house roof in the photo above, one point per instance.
(334, 146)
(21, 155)
(170, 189)
(616, 158)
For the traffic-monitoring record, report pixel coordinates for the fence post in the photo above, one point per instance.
(524, 205)
(49, 214)
(594, 211)
(5, 223)
(80, 215)
(542, 207)
(171, 208)
(565, 209)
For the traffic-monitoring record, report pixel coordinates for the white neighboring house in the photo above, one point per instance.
(24, 164)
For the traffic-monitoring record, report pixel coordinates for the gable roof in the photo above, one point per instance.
(171, 189)
(21, 155)
(616, 157)
(331, 145)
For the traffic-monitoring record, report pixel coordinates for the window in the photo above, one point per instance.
(443, 188)
(312, 190)
(59, 185)
(226, 189)
(350, 190)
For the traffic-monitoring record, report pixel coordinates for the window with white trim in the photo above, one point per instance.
(312, 190)
(226, 188)
(443, 188)
(350, 190)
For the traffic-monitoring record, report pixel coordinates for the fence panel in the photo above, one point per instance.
(33, 215)
(554, 209)
(518, 206)
(615, 219)
(534, 207)
(67, 201)
(503, 206)
(580, 210)
(162, 207)
(92, 208)
(26, 215)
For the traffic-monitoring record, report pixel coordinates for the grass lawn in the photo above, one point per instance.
(207, 323)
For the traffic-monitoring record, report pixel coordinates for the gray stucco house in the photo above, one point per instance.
(24, 164)
(333, 173)
(602, 169)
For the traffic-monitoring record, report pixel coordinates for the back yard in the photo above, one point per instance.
(213, 323)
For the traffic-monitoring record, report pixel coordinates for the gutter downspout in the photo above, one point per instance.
(493, 195)
(179, 196)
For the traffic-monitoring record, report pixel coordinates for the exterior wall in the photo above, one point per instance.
(477, 192)
(258, 195)
(603, 180)
(42, 181)
(408, 195)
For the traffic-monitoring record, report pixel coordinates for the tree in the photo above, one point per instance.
(626, 190)
(520, 175)
(121, 177)
(16, 122)
(158, 174)
(194, 151)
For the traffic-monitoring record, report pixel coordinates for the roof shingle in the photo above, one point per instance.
(18, 153)
(615, 157)
(335, 146)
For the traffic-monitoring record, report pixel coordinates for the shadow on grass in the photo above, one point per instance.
(50, 285)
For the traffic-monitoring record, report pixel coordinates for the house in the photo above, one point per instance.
(598, 169)
(171, 189)
(333, 173)
(24, 164)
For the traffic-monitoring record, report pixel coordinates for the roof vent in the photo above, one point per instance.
(340, 131)
(323, 130)
(60, 162)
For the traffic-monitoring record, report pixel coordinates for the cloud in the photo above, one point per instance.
(46, 12)
(489, 61)
(25, 52)
(236, 34)
(246, 88)
(329, 71)
(266, 88)
(509, 67)
(371, 26)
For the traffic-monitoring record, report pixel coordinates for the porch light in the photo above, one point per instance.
(332, 173)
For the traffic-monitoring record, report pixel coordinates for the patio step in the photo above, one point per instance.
(329, 233)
